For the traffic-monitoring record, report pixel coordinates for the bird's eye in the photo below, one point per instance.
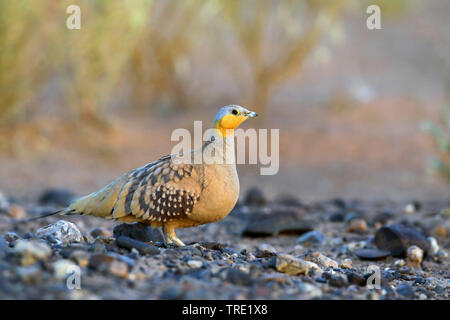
(235, 112)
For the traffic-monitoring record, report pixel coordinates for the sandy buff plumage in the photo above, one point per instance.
(172, 192)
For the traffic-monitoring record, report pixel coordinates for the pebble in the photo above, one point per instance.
(62, 268)
(405, 290)
(371, 254)
(357, 225)
(434, 247)
(11, 236)
(138, 231)
(30, 274)
(31, 251)
(57, 197)
(108, 264)
(143, 248)
(287, 220)
(346, 264)
(397, 238)
(312, 237)
(291, 265)
(17, 212)
(195, 264)
(267, 247)
(323, 260)
(255, 197)
(349, 217)
(310, 290)
(62, 233)
(100, 232)
(400, 263)
(414, 256)
(3, 247)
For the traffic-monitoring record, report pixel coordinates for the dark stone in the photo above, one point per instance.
(339, 203)
(238, 277)
(138, 231)
(354, 278)
(371, 254)
(396, 239)
(405, 290)
(352, 216)
(337, 281)
(337, 217)
(143, 247)
(57, 197)
(384, 216)
(286, 220)
(255, 197)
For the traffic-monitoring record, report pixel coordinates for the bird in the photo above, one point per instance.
(175, 191)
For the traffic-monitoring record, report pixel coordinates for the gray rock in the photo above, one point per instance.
(31, 251)
(11, 236)
(434, 247)
(371, 254)
(108, 264)
(62, 233)
(313, 237)
(138, 231)
(62, 268)
(30, 274)
(3, 247)
(397, 238)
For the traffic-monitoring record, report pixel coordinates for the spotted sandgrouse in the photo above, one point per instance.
(176, 191)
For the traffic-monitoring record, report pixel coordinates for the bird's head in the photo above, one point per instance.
(230, 117)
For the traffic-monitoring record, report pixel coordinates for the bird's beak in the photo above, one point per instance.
(251, 114)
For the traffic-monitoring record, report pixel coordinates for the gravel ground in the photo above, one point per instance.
(282, 249)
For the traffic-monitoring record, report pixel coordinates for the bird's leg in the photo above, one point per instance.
(170, 237)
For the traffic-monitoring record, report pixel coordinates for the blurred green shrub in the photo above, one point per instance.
(440, 132)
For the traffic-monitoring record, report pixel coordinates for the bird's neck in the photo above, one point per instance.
(219, 149)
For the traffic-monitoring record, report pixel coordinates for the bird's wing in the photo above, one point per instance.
(160, 191)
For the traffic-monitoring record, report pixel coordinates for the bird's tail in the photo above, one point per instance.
(59, 212)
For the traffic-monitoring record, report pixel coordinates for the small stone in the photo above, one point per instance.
(354, 278)
(371, 254)
(3, 247)
(106, 263)
(62, 268)
(57, 197)
(142, 247)
(349, 217)
(415, 256)
(31, 251)
(62, 233)
(267, 247)
(441, 231)
(357, 225)
(17, 212)
(195, 264)
(440, 256)
(397, 239)
(11, 236)
(400, 263)
(138, 231)
(255, 197)
(346, 264)
(422, 296)
(337, 217)
(434, 247)
(445, 213)
(413, 207)
(80, 257)
(337, 281)
(100, 232)
(310, 290)
(312, 237)
(291, 265)
(405, 290)
(323, 260)
(238, 277)
(30, 274)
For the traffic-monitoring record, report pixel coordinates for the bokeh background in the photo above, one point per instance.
(363, 114)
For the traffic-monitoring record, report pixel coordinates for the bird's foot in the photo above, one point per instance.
(170, 238)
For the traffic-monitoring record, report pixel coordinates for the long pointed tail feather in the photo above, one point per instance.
(59, 212)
